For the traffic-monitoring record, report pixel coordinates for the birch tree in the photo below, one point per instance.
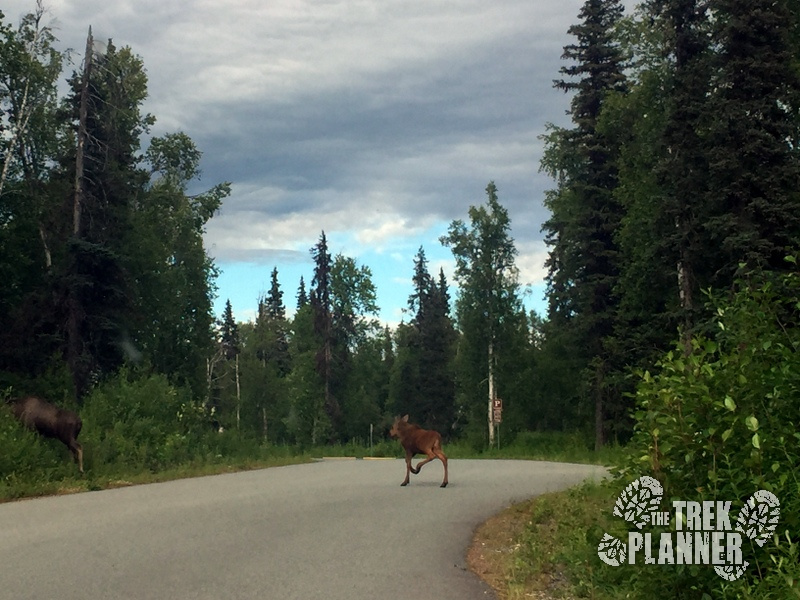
(485, 255)
(29, 71)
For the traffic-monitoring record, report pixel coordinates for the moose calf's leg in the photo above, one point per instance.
(443, 458)
(408, 470)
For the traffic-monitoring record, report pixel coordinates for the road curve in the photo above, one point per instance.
(332, 530)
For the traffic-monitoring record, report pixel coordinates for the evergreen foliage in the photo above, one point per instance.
(678, 180)
(754, 169)
(424, 382)
(704, 145)
(584, 263)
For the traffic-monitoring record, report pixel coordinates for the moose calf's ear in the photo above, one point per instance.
(405, 418)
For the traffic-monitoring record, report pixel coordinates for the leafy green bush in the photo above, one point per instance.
(141, 423)
(22, 451)
(722, 422)
(387, 449)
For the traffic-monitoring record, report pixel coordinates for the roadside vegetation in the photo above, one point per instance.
(159, 438)
(669, 348)
(716, 424)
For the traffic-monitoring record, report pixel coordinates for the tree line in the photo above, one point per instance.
(331, 372)
(105, 272)
(103, 258)
(672, 282)
(672, 273)
(677, 175)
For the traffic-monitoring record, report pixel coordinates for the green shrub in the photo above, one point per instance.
(387, 448)
(141, 423)
(23, 452)
(722, 422)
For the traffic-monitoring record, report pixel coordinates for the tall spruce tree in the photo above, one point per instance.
(682, 171)
(306, 421)
(225, 399)
(271, 329)
(302, 296)
(321, 302)
(583, 266)
(645, 292)
(229, 336)
(754, 162)
(425, 365)
(267, 363)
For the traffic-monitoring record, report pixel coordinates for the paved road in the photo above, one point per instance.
(329, 530)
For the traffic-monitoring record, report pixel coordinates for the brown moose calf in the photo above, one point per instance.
(50, 421)
(416, 440)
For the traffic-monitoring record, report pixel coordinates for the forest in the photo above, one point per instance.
(106, 279)
(672, 287)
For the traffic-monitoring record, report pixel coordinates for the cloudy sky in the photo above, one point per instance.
(377, 121)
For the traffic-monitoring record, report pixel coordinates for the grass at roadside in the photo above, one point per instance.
(547, 547)
(53, 473)
(529, 445)
(15, 488)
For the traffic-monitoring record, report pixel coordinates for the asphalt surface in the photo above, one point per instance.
(331, 530)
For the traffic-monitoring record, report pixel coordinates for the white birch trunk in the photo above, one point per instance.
(492, 393)
(238, 395)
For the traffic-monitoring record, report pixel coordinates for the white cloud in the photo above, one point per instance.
(378, 121)
(531, 262)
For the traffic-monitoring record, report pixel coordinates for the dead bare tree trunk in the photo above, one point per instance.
(74, 307)
(48, 258)
(211, 365)
(77, 208)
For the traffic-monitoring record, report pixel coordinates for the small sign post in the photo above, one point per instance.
(497, 416)
(497, 411)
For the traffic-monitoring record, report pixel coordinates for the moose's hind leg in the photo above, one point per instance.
(443, 458)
